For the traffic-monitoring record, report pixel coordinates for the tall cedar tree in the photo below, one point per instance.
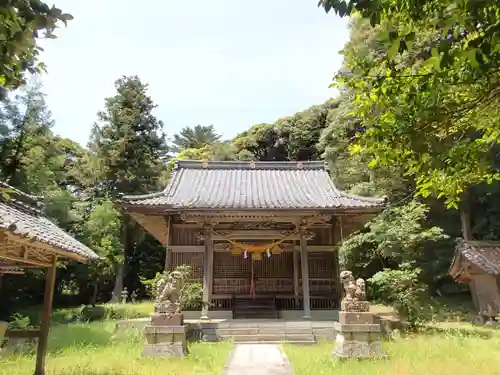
(130, 149)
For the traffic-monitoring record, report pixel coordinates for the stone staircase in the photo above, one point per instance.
(259, 308)
(266, 332)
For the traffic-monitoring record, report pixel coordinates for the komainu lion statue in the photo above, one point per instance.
(167, 290)
(354, 291)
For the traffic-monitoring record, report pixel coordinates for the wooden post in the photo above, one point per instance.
(50, 278)
(168, 251)
(208, 266)
(295, 274)
(336, 265)
(305, 273)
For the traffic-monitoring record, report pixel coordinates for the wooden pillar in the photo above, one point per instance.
(208, 267)
(168, 251)
(50, 278)
(305, 273)
(336, 266)
(295, 274)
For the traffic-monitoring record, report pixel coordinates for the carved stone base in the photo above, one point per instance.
(163, 319)
(165, 341)
(354, 306)
(358, 341)
(346, 317)
(164, 350)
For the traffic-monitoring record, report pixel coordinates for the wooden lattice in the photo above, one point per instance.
(194, 260)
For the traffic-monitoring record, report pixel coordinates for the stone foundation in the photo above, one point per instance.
(358, 332)
(164, 338)
(358, 341)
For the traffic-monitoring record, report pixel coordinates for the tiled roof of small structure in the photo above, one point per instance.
(252, 185)
(6, 268)
(483, 254)
(20, 213)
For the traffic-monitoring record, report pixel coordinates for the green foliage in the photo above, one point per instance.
(128, 142)
(422, 82)
(395, 236)
(191, 294)
(22, 23)
(19, 322)
(290, 138)
(400, 288)
(195, 137)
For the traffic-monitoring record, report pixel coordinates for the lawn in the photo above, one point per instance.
(93, 349)
(446, 349)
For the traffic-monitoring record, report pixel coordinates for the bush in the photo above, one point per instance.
(401, 289)
(19, 322)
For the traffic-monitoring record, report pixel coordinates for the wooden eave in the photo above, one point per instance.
(22, 251)
(167, 210)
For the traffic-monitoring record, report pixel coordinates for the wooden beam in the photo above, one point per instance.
(6, 271)
(50, 278)
(22, 261)
(33, 244)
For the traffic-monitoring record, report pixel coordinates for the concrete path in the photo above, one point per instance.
(258, 359)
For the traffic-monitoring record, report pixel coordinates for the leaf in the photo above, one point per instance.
(472, 57)
(393, 49)
(66, 17)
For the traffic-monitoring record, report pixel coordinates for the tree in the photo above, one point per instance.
(21, 24)
(102, 232)
(130, 152)
(423, 91)
(289, 138)
(195, 137)
(396, 236)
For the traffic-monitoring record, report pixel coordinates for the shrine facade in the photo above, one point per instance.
(255, 230)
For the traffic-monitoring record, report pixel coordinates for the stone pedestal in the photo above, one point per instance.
(165, 336)
(357, 341)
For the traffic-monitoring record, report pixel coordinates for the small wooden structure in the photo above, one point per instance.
(477, 263)
(29, 240)
(255, 229)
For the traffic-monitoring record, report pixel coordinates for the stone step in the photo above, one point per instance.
(255, 315)
(262, 330)
(278, 342)
(273, 338)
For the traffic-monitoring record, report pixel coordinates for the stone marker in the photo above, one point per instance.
(357, 334)
(166, 333)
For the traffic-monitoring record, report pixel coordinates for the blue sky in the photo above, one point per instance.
(230, 63)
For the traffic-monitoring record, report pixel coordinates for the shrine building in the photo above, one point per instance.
(262, 237)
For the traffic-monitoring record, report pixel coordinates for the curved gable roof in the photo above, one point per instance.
(252, 185)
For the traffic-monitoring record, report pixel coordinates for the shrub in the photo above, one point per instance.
(402, 289)
(19, 322)
(191, 294)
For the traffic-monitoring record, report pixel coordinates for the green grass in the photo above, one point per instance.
(444, 349)
(93, 349)
(100, 312)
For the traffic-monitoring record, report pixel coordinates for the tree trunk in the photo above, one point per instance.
(93, 298)
(466, 223)
(117, 290)
(465, 217)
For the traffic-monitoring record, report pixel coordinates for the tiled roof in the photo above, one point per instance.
(252, 185)
(6, 268)
(20, 214)
(483, 254)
